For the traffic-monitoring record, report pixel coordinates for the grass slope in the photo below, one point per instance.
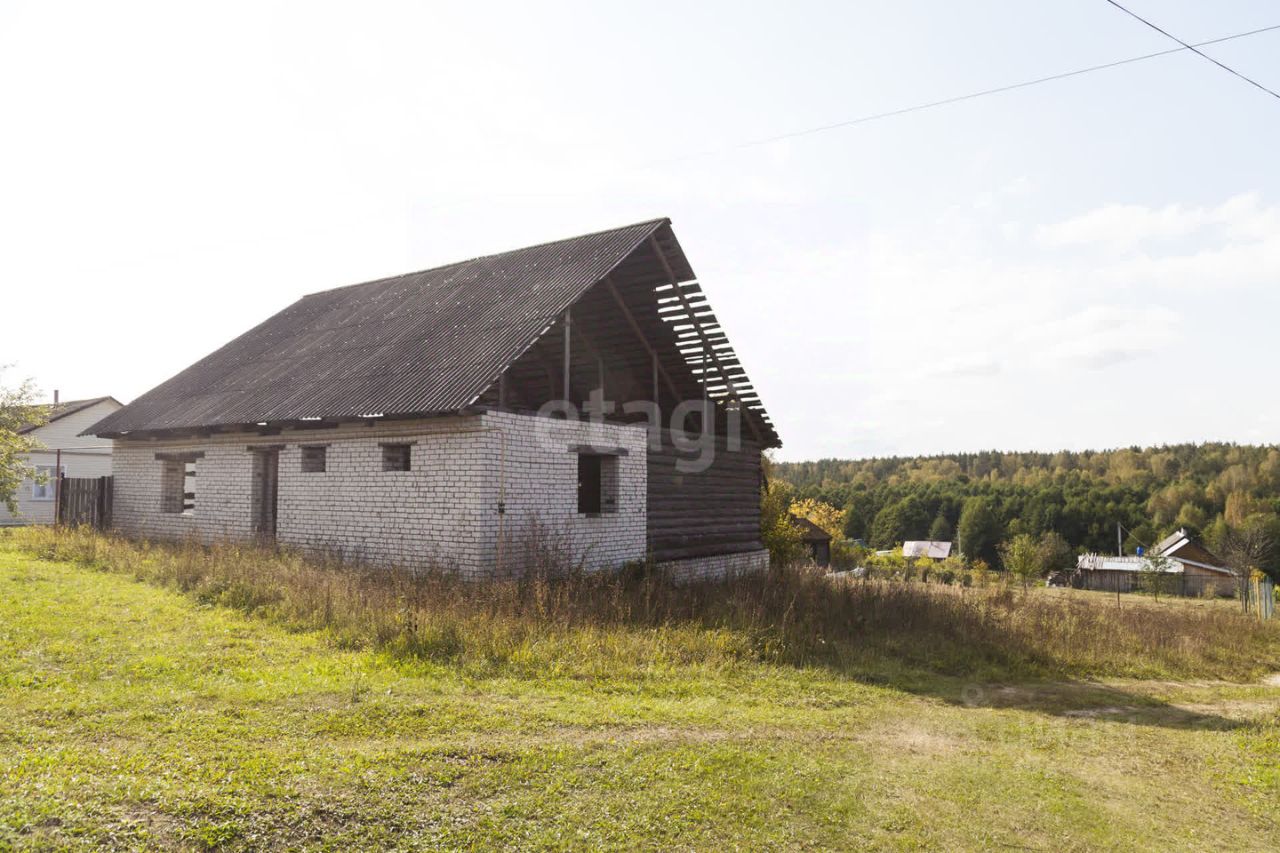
(131, 716)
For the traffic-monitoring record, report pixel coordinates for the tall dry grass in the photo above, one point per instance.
(562, 622)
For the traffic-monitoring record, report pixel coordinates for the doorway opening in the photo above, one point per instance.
(266, 489)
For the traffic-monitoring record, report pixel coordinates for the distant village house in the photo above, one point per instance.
(817, 541)
(926, 549)
(1194, 570)
(63, 450)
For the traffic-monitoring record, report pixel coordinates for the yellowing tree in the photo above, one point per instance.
(1239, 506)
(830, 519)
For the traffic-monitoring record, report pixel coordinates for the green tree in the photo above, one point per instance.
(1055, 553)
(940, 530)
(1022, 557)
(854, 523)
(1209, 488)
(1155, 573)
(18, 409)
(779, 534)
(905, 519)
(979, 529)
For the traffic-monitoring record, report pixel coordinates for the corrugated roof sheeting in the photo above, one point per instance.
(926, 548)
(426, 342)
(414, 344)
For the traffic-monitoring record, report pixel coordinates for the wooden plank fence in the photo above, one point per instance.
(1260, 597)
(85, 500)
(1171, 583)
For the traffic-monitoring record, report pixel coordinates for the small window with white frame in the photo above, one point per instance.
(44, 486)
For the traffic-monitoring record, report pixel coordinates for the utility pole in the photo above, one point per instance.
(1119, 541)
(57, 487)
(57, 476)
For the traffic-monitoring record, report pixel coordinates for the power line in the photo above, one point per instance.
(754, 143)
(1192, 48)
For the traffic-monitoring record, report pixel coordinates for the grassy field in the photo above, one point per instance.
(133, 715)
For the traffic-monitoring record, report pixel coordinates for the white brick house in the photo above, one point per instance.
(62, 443)
(441, 419)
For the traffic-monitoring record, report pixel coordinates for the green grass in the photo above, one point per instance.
(133, 715)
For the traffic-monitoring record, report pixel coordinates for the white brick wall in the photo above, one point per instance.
(716, 567)
(541, 487)
(442, 512)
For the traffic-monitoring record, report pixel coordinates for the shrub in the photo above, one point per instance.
(777, 532)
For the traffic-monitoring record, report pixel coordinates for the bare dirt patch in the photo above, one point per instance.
(913, 739)
(1093, 713)
(1232, 709)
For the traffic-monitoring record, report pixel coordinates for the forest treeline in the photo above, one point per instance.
(1216, 491)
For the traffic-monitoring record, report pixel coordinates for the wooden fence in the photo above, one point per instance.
(1260, 597)
(85, 500)
(1171, 583)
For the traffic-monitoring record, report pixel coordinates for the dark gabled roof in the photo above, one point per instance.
(809, 531)
(424, 343)
(57, 411)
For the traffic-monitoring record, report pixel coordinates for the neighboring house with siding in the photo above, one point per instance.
(81, 456)
(551, 397)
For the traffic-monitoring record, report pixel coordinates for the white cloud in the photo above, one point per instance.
(1125, 227)
(1102, 335)
(1000, 333)
(876, 282)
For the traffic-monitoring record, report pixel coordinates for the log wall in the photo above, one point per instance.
(701, 513)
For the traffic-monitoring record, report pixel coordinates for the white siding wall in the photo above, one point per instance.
(82, 456)
(443, 512)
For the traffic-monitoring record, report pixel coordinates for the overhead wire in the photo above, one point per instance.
(1193, 49)
(824, 128)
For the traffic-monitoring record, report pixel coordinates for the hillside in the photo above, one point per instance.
(1211, 489)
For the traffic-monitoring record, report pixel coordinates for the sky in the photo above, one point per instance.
(1088, 263)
